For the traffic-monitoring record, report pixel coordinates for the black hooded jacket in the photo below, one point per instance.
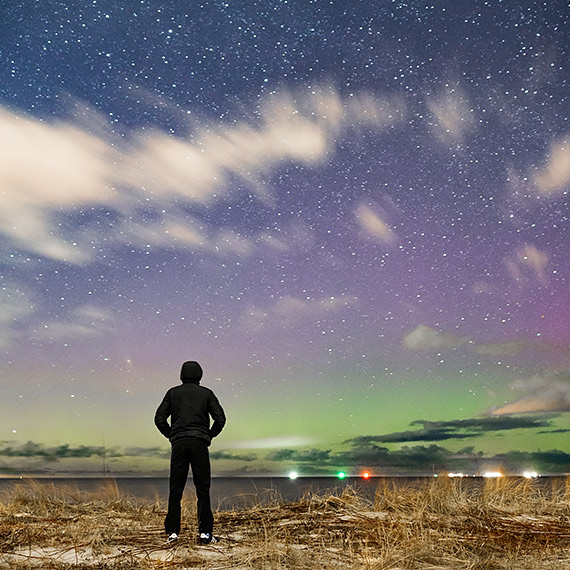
(190, 407)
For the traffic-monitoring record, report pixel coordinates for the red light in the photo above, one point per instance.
(365, 475)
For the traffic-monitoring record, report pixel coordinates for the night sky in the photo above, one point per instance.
(353, 214)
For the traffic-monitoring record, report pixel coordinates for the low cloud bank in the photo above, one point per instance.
(364, 453)
(422, 459)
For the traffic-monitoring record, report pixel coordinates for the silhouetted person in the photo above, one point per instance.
(190, 407)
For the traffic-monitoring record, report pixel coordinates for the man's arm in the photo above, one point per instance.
(218, 415)
(161, 416)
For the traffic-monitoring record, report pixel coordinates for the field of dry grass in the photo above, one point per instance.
(441, 524)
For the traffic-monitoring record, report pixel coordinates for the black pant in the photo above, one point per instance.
(189, 452)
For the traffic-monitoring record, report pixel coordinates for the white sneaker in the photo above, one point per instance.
(207, 538)
(172, 538)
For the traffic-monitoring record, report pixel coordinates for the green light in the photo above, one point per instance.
(341, 474)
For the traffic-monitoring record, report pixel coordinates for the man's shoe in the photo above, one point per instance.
(172, 537)
(207, 538)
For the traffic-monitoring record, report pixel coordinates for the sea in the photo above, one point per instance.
(230, 493)
(227, 493)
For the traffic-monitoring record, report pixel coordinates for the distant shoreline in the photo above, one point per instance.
(5, 476)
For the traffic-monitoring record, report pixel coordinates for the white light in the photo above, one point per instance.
(293, 475)
(456, 475)
(530, 474)
(492, 474)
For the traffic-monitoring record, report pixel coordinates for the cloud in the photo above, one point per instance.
(86, 321)
(31, 449)
(417, 459)
(15, 307)
(429, 434)
(275, 442)
(200, 171)
(454, 117)
(51, 169)
(503, 348)
(172, 229)
(533, 348)
(312, 456)
(555, 176)
(47, 166)
(363, 453)
(55, 453)
(551, 461)
(454, 429)
(371, 222)
(549, 393)
(153, 452)
(434, 458)
(215, 455)
(426, 338)
(528, 264)
(289, 310)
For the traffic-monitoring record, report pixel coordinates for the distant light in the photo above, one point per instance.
(530, 474)
(492, 474)
(341, 474)
(366, 475)
(456, 475)
(293, 475)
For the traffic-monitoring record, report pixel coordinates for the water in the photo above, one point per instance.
(238, 492)
(226, 492)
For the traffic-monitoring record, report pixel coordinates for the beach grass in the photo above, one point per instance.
(441, 523)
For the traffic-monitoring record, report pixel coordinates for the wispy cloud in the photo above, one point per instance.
(86, 321)
(503, 348)
(290, 310)
(425, 338)
(528, 265)
(554, 177)
(47, 166)
(15, 307)
(536, 348)
(374, 225)
(454, 116)
(550, 393)
(58, 167)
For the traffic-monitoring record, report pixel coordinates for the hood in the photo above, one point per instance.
(191, 372)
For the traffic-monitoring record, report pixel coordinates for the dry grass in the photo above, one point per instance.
(440, 524)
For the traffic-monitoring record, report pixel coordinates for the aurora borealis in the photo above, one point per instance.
(354, 215)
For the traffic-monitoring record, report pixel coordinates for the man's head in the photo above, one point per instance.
(191, 372)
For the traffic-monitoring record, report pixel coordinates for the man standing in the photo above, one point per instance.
(190, 407)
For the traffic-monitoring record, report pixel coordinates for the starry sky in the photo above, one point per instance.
(354, 215)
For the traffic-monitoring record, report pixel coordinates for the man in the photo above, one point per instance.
(190, 407)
